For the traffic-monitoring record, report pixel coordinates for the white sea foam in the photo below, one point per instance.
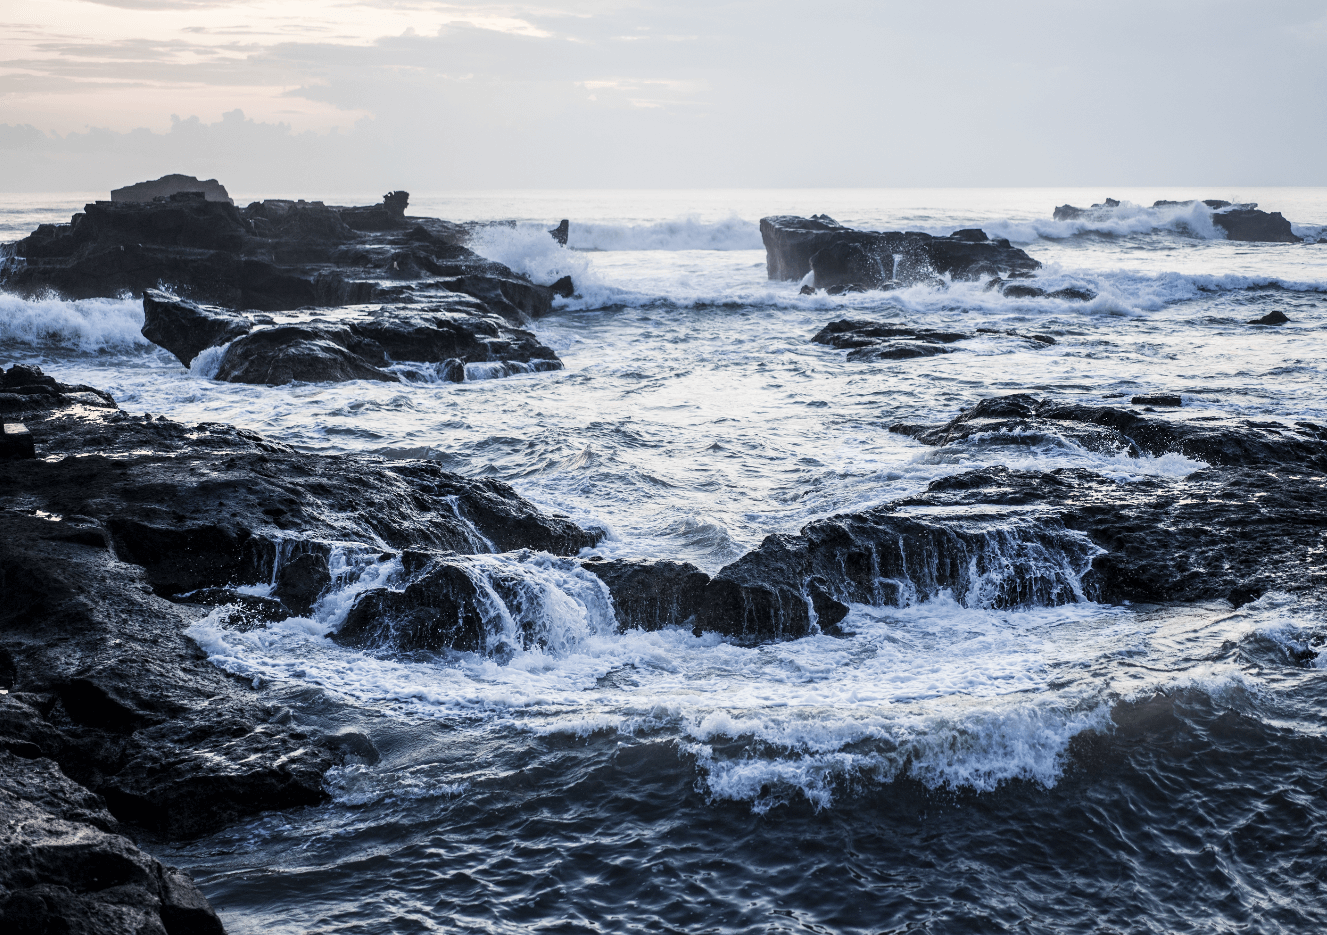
(686, 233)
(87, 325)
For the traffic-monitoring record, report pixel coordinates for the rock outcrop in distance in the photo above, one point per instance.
(1239, 221)
(123, 532)
(450, 333)
(168, 185)
(877, 341)
(845, 259)
(270, 256)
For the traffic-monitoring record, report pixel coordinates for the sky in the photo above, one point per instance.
(356, 95)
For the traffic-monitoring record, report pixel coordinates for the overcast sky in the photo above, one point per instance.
(356, 95)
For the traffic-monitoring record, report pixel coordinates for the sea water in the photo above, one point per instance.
(947, 767)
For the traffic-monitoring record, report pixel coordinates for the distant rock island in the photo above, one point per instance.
(1240, 221)
(169, 185)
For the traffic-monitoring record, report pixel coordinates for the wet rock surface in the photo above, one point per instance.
(65, 866)
(452, 330)
(842, 258)
(1247, 520)
(864, 339)
(123, 532)
(1239, 221)
(271, 256)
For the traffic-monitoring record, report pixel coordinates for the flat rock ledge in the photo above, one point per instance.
(451, 339)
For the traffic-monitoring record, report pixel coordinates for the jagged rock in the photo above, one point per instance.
(453, 331)
(841, 256)
(64, 866)
(439, 608)
(1239, 221)
(561, 232)
(1249, 522)
(564, 287)
(26, 390)
(651, 594)
(92, 638)
(169, 185)
(1276, 317)
(273, 255)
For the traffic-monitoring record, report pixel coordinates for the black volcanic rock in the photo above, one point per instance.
(1239, 221)
(1275, 317)
(841, 256)
(873, 340)
(126, 532)
(651, 594)
(271, 256)
(169, 185)
(452, 330)
(26, 390)
(65, 867)
(1248, 521)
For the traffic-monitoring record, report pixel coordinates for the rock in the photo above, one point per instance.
(560, 232)
(99, 675)
(1244, 223)
(1276, 317)
(64, 866)
(441, 607)
(16, 441)
(1070, 213)
(454, 331)
(169, 185)
(1157, 401)
(271, 256)
(1248, 522)
(873, 340)
(807, 289)
(185, 329)
(841, 256)
(1240, 222)
(650, 594)
(563, 287)
(390, 215)
(26, 390)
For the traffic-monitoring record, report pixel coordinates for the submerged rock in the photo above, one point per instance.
(453, 331)
(841, 256)
(873, 340)
(1275, 317)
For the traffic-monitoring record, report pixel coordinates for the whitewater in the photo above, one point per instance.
(895, 779)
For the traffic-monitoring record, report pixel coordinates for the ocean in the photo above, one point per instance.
(948, 767)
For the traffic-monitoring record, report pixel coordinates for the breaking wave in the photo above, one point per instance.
(87, 325)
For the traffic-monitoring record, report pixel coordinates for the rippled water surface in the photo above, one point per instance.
(946, 768)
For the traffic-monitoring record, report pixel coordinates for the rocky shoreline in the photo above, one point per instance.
(120, 532)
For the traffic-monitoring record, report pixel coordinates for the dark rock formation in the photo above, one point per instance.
(273, 255)
(651, 594)
(1019, 289)
(139, 511)
(25, 390)
(64, 866)
(1250, 521)
(841, 256)
(454, 330)
(873, 340)
(1163, 400)
(1244, 222)
(1239, 221)
(1276, 317)
(169, 185)
(561, 232)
